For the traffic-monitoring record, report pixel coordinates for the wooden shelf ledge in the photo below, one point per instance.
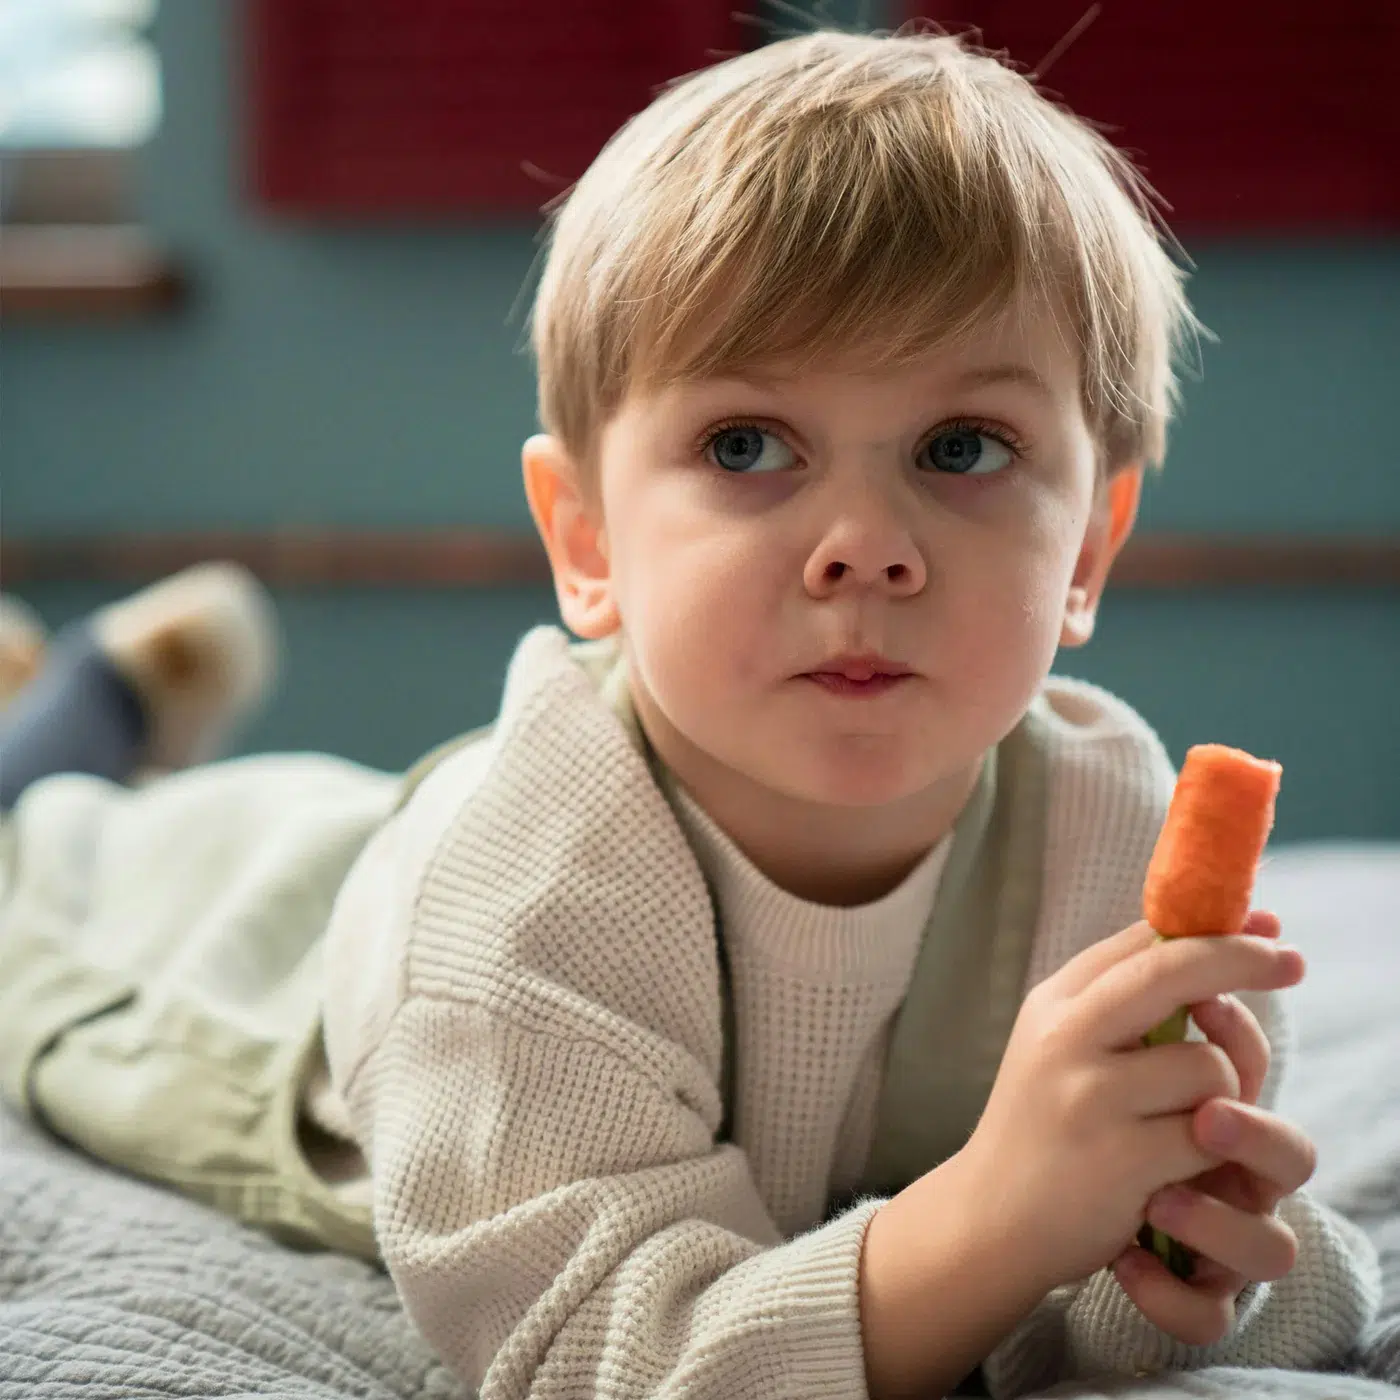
(479, 558)
(84, 272)
(1181, 561)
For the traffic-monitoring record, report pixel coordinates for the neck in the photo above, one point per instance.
(819, 852)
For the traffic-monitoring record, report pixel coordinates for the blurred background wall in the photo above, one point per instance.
(370, 376)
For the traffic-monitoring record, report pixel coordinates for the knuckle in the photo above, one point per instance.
(1288, 1250)
(1280, 1253)
(1056, 1027)
(1239, 953)
(1042, 992)
(1308, 1154)
(1080, 1092)
(1249, 959)
(1221, 1320)
(1209, 1322)
(1191, 967)
(1166, 1154)
(1219, 1077)
(1039, 1006)
(1263, 958)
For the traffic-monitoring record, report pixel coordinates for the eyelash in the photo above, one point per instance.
(997, 431)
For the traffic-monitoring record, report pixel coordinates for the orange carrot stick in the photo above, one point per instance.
(1201, 875)
(1200, 879)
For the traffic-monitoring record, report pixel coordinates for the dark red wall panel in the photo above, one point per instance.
(473, 106)
(1245, 114)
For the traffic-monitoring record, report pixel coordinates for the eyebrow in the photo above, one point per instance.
(1003, 374)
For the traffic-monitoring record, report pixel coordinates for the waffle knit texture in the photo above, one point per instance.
(523, 1025)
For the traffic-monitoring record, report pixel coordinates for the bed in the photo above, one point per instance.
(113, 1290)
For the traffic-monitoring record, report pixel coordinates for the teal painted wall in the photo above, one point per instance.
(372, 376)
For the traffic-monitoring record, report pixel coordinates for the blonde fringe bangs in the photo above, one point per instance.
(840, 194)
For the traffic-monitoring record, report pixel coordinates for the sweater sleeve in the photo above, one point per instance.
(558, 1222)
(1110, 785)
(524, 1025)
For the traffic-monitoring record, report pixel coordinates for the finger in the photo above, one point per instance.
(1270, 1148)
(1262, 923)
(1174, 1078)
(1140, 992)
(1197, 1314)
(1163, 1150)
(1260, 1248)
(1088, 966)
(1209, 1274)
(1227, 1022)
(1236, 1186)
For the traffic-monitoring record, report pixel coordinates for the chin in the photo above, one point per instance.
(856, 780)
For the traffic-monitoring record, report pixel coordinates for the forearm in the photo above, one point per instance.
(940, 1286)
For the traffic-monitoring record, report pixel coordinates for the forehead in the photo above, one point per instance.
(1026, 347)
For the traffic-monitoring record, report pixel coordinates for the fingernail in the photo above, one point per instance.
(1219, 1007)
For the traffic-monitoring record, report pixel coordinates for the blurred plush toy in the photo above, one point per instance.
(22, 642)
(148, 684)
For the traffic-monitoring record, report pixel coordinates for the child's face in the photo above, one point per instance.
(769, 542)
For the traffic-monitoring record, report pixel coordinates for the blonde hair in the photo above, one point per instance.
(845, 190)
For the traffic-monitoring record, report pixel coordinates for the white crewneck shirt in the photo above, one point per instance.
(787, 955)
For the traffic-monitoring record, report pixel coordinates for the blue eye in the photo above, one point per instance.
(747, 449)
(966, 452)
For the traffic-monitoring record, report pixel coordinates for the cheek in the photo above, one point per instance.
(1022, 583)
(1054, 531)
(693, 602)
(1042, 600)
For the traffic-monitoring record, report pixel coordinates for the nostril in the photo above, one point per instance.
(835, 570)
(897, 573)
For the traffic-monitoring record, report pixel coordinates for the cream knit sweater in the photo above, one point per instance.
(522, 1021)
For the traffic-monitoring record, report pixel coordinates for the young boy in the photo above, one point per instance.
(757, 1008)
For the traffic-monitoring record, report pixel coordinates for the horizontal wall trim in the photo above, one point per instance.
(474, 558)
(85, 273)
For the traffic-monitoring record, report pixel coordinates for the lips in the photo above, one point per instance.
(860, 677)
(861, 668)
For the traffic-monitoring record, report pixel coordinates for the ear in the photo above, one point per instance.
(572, 533)
(1111, 521)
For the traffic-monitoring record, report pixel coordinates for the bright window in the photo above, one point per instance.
(77, 74)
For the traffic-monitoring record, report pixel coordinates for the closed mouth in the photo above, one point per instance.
(859, 676)
(860, 669)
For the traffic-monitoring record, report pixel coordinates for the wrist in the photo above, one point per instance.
(941, 1284)
(1012, 1239)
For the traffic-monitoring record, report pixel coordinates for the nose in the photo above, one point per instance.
(866, 546)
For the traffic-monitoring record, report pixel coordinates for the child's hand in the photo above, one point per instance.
(1085, 1125)
(1226, 1214)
